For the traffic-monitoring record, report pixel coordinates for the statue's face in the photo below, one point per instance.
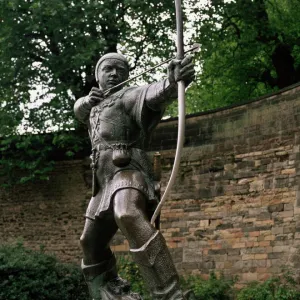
(112, 72)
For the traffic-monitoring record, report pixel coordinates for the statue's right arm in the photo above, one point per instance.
(82, 109)
(84, 105)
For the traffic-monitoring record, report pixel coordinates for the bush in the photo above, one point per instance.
(279, 288)
(129, 271)
(215, 288)
(27, 275)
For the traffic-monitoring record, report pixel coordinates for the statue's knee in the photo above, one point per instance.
(126, 217)
(87, 241)
(125, 212)
(84, 241)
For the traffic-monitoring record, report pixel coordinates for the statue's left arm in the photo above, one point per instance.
(160, 94)
(148, 103)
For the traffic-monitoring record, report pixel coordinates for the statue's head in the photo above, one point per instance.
(111, 69)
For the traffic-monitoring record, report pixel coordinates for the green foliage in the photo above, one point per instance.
(48, 49)
(48, 52)
(248, 48)
(27, 275)
(129, 271)
(215, 288)
(22, 159)
(30, 157)
(284, 288)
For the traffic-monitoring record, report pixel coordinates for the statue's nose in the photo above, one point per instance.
(113, 72)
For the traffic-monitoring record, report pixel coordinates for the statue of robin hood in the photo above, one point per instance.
(120, 123)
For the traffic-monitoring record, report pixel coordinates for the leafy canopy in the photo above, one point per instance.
(48, 51)
(248, 48)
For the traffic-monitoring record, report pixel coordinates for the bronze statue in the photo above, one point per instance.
(120, 123)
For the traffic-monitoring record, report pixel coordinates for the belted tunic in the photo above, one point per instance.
(116, 128)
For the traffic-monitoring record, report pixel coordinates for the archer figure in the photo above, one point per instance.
(120, 123)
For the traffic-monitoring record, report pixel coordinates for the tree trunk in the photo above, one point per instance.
(283, 62)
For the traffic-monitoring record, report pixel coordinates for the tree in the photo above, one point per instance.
(48, 51)
(56, 44)
(249, 48)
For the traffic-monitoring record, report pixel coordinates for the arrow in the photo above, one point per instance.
(193, 49)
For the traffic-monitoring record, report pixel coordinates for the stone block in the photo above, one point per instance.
(260, 256)
(277, 230)
(192, 255)
(259, 263)
(249, 277)
(208, 265)
(264, 216)
(264, 243)
(220, 265)
(290, 171)
(260, 250)
(289, 229)
(269, 238)
(264, 276)
(248, 257)
(256, 185)
(285, 214)
(224, 226)
(233, 257)
(254, 233)
(288, 206)
(217, 251)
(276, 207)
(219, 257)
(228, 265)
(273, 255)
(233, 252)
(285, 249)
(204, 223)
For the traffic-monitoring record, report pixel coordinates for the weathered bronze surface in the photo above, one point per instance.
(119, 125)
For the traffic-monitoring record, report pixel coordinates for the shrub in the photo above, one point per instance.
(279, 288)
(27, 275)
(215, 288)
(129, 271)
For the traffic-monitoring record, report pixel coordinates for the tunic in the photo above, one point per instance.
(122, 123)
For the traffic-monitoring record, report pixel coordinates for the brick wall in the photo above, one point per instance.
(47, 213)
(234, 207)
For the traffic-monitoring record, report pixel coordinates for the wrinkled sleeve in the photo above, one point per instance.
(82, 109)
(146, 117)
(160, 94)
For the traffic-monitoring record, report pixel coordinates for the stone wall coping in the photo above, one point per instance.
(236, 105)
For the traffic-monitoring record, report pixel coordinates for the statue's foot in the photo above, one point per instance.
(118, 289)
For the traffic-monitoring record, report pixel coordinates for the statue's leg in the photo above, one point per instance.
(148, 246)
(95, 239)
(98, 264)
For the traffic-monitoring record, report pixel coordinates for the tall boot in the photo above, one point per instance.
(104, 284)
(157, 268)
